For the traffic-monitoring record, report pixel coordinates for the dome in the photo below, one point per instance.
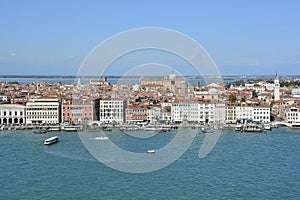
(213, 91)
(172, 76)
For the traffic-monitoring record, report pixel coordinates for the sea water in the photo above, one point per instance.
(241, 166)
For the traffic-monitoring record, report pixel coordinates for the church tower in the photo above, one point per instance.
(276, 88)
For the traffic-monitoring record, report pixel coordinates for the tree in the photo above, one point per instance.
(271, 105)
(243, 99)
(232, 98)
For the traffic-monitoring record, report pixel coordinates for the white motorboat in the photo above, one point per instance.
(51, 140)
(267, 127)
(238, 127)
(207, 130)
(101, 138)
(151, 151)
(71, 127)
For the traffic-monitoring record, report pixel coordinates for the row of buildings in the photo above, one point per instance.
(50, 110)
(165, 100)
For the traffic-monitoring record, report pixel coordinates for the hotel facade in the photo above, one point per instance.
(112, 111)
(43, 111)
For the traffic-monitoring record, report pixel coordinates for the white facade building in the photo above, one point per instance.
(292, 116)
(206, 113)
(243, 113)
(230, 114)
(43, 111)
(12, 114)
(112, 111)
(220, 113)
(3, 99)
(261, 114)
(185, 112)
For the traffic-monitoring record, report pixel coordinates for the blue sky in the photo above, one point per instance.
(242, 37)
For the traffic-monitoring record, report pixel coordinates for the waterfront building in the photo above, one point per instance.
(112, 111)
(276, 88)
(230, 116)
(80, 111)
(166, 112)
(43, 110)
(136, 113)
(154, 114)
(243, 113)
(261, 113)
(220, 113)
(184, 112)
(12, 114)
(206, 113)
(293, 116)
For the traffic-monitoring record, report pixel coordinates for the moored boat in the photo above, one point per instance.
(159, 129)
(238, 127)
(130, 128)
(39, 131)
(72, 128)
(54, 128)
(267, 127)
(252, 128)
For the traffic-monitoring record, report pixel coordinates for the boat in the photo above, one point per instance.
(92, 129)
(21, 128)
(105, 128)
(275, 126)
(238, 127)
(130, 128)
(207, 130)
(267, 127)
(154, 128)
(39, 131)
(71, 128)
(295, 125)
(252, 128)
(101, 138)
(54, 128)
(151, 151)
(51, 140)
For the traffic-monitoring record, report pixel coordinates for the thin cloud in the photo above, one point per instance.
(13, 54)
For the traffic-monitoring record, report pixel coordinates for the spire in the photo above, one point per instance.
(276, 76)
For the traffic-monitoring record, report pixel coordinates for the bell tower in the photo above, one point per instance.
(276, 88)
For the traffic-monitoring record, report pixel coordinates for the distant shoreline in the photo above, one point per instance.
(115, 76)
